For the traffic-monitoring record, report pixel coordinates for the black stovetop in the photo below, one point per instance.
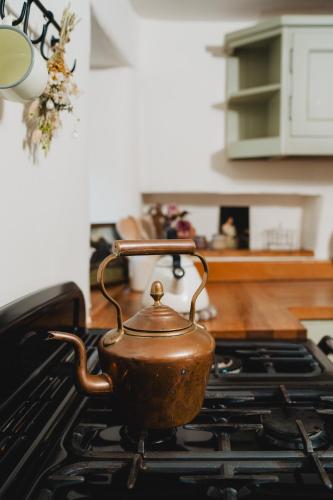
(265, 429)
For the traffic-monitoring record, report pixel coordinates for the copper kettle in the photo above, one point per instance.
(157, 363)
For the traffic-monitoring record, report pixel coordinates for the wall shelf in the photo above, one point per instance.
(278, 101)
(254, 94)
(248, 148)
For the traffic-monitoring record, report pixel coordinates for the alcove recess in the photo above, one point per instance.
(297, 211)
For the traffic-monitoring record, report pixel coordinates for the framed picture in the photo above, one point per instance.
(235, 226)
(101, 238)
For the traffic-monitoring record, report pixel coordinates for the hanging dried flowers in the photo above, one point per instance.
(42, 116)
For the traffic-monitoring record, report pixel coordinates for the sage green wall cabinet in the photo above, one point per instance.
(280, 88)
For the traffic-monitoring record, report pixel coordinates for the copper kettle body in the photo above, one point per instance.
(156, 364)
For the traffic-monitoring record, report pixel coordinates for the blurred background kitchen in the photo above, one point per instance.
(211, 119)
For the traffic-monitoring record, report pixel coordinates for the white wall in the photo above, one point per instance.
(113, 112)
(182, 73)
(279, 219)
(120, 24)
(44, 217)
(113, 144)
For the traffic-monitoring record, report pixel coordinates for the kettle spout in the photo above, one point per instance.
(90, 384)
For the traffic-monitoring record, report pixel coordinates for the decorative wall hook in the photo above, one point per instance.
(24, 18)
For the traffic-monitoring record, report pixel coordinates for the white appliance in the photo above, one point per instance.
(178, 290)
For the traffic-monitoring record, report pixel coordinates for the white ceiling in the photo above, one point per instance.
(210, 10)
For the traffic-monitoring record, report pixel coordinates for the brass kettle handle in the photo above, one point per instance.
(127, 248)
(153, 247)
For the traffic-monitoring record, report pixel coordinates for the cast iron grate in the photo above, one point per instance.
(223, 453)
(261, 359)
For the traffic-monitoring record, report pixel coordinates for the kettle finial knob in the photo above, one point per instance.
(156, 292)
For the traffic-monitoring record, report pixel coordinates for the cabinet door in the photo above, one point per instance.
(312, 83)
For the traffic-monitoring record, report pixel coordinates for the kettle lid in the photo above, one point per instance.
(157, 318)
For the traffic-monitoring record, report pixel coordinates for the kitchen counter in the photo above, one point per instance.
(244, 253)
(264, 310)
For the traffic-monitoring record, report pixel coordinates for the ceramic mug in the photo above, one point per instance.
(23, 71)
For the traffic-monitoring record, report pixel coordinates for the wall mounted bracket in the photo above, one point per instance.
(24, 19)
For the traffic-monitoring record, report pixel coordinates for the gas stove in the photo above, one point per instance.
(264, 431)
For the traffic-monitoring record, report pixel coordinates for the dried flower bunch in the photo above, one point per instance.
(42, 116)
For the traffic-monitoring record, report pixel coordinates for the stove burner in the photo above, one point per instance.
(226, 364)
(153, 438)
(281, 430)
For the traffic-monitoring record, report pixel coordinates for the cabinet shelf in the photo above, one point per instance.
(261, 147)
(254, 94)
(255, 65)
(253, 98)
(254, 116)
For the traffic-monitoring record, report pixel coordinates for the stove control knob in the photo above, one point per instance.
(326, 344)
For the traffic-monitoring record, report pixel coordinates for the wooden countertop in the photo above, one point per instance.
(264, 310)
(209, 252)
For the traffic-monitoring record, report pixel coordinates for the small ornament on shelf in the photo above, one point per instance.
(176, 219)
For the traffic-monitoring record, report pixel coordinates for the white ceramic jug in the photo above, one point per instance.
(23, 71)
(177, 292)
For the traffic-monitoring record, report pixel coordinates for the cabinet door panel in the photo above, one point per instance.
(312, 83)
